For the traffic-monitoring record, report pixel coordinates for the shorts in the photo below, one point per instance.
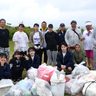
(89, 54)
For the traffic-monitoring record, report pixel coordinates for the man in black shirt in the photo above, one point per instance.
(4, 38)
(51, 38)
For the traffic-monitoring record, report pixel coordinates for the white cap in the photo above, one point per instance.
(88, 23)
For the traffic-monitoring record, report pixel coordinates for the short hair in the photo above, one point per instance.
(73, 21)
(44, 22)
(65, 44)
(50, 26)
(2, 20)
(31, 48)
(77, 45)
(21, 25)
(36, 24)
(3, 55)
(17, 53)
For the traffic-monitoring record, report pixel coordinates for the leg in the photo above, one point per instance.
(54, 56)
(39, 53)
(91, 63)
(49, 62)
(45, 55)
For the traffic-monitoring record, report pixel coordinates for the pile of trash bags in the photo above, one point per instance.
(80, 80)
(48, 81)
(44, 81)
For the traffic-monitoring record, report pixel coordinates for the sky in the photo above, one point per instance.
(51, 11)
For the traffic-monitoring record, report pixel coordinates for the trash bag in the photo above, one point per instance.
(80, 70)
(58, 83)
(45, 72)
(22, 88)
(32, 73)
(41, 88)
(5, 85)
(74, 86)
(89, 89)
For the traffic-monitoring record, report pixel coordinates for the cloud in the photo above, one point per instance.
(52, 11)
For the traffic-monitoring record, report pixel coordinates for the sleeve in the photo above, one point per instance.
(31, 39)
(38, 61)
(46, 38)
(27, 40)
(58, 61)
(41, 39)
(84, 56)
(11, 63)
(27, 64)
(94, 37)
(7, 72)
(67, 37)
(74, 57)
(15, 37)
(57, 39)
(71, 61)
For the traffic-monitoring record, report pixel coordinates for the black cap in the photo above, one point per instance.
(50, 26)
(62, 25)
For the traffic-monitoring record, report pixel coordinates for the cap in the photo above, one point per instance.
(88, 23)
(62, 25)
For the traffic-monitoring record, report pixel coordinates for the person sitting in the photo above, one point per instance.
(33, 60)
(78, 54)
(5, 72)
(16, 65)
(65, 59)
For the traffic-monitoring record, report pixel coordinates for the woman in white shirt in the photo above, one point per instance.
(37, 40)
(21, 40)
(88, 42)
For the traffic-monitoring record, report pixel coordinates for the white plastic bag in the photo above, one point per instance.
(22, 88)
(41, 88)
(32, 73)
(89, 89)
(68, 86)
(80, 70)
(58, 83)
(5, 85)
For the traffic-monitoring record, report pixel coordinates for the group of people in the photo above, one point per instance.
(62, 49)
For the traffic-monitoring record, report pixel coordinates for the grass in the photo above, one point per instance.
(11, 44)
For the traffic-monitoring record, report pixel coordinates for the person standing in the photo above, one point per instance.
(20, 39)
(36, 40)
(73, 35)
(94, 49)
(44, 30)
(61, 35)
(4, 38)
(51, 38)
(88, 43)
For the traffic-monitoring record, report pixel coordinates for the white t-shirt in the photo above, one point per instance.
(21, 41)
(64, 54)
(88, 40)
(36, 38)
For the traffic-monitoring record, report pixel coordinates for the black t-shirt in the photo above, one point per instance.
(51, 40)
(4, 38)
